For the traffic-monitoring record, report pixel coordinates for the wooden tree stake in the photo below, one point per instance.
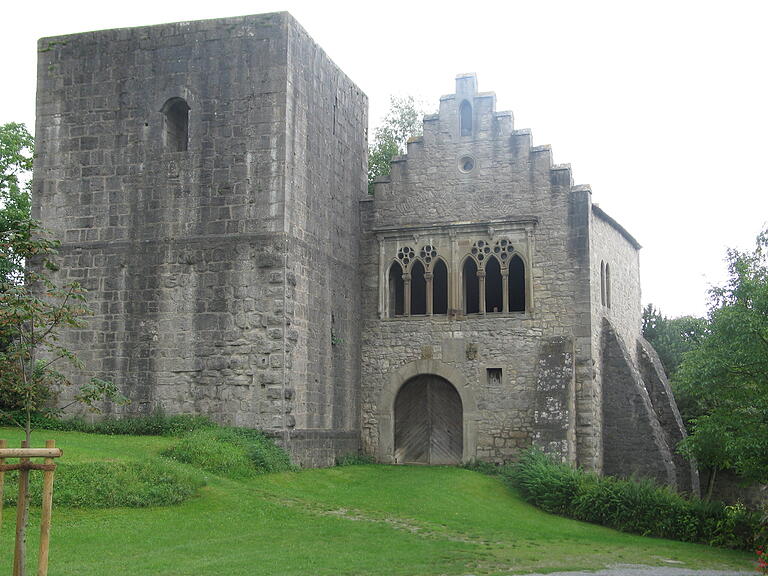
(21, 516)
(45, 516)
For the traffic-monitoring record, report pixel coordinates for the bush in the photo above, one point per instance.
(153, 482)
(639, 507)
(550, 486)
(355, 459)
(232, 452)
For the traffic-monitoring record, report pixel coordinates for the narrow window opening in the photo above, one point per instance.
(440, 288)
(494, 300)
(516, 284)
(471, 287)
(335, 110)
(602, 282)
(418, 289)
(465, 118)
(396, 291)
(494, 376)
(176, 124)
(607, 286)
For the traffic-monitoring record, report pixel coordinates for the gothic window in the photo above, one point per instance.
(440, 288)
(396, 290)
(175, 124)
(471, 287)
(418, 289)
(516, 284)
(494, 301)
(465, 118)
(607, 286)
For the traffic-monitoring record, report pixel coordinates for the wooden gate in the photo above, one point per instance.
(428, 422)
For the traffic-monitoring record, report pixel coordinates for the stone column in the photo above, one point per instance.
(481, 289)
(407, 294)
(428, 277)
(454, 279)
(505, 289)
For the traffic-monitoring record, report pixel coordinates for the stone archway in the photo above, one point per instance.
(428, 422)
(385, 415)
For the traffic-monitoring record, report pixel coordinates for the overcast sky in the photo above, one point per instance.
(661, 107)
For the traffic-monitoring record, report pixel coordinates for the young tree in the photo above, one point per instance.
(33, 307)
(727, 375)
(402, 122)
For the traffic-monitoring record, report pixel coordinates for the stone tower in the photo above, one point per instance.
(204, 178)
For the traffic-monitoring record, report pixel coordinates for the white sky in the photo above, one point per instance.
(661, 106)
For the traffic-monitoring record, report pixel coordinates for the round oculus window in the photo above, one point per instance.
(466, 164)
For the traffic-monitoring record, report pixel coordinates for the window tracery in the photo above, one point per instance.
(488, 277)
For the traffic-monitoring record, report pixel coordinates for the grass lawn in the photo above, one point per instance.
(354, 520)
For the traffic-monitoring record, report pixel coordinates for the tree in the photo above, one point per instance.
(401, 123)
(33, 307)
(16, 148)
(672, 338)
(727, 374)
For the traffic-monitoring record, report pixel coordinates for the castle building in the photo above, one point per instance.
(208, 183)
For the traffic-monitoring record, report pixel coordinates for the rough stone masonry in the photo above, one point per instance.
(208, 183)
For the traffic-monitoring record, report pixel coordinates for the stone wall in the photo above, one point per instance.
(619, 251)
(325, 158)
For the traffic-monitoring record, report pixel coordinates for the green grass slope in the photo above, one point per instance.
(353, 520)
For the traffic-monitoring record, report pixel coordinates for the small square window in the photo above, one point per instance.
(494, 376)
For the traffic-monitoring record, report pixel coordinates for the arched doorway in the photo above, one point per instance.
(428, 422)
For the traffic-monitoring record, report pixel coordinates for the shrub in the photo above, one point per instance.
(550, 486)
(153, 482)
(640, 507)
(231, 452)
(354, 459)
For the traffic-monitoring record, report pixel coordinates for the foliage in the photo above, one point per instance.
(638, 507)
(232, 452)
(155, 424)
(726, 376)
(151, 482)
(549, 486)
(16, 148)
(672, 338)
(354, 459)
(32, 313)
(401, 123)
